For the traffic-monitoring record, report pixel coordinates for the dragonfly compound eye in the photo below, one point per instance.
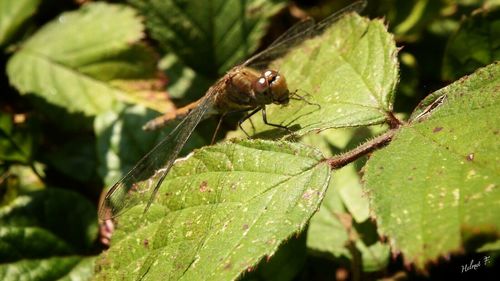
(278, 88)
(261, 85)
(271, 76)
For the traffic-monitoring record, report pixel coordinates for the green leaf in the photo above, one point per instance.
(78, 74)
(64, 214)
(475, 44)
(184, 82)
(44, 235)
(12, 16)
(121, 142)
(490, 247)
(218, 212)
(18, 179)
(409, 18)
(349, 187)
(436, 184)
(56, 268)
(350, 72)
(347, 181)
(26, 242)
(208, 36)
(15, 144)
(328, 233)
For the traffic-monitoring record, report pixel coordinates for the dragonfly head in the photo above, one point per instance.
(273, 86)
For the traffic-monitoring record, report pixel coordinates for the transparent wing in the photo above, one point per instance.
(297, 34)
(148, 174)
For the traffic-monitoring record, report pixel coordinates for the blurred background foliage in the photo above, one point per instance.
(58, 151)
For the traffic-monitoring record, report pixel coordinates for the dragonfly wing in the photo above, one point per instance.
(148, 174)
(298, 33)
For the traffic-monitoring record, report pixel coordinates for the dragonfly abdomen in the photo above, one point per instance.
(176, 115)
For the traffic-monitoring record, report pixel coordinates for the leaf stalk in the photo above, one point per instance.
(345, 158)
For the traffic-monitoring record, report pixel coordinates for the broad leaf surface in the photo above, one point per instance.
(208, 36)
(79, 74)
(349, 72)
(12, 15)
(219, 212)
(45, 234)
(437, 182)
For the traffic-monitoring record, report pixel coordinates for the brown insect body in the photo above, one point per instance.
(246, 88)
(241, 89)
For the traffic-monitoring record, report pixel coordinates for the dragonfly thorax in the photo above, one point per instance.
(245, 88)
(271, 87)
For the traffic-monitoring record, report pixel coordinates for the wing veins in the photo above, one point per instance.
(154, 166)
(298, 33)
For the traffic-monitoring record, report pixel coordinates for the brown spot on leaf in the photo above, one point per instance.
(437, 129)
(145, 243)
(245, 227)
(135, 187)
(470, 157)
(203, 186)
(308, 194)
(271, 241)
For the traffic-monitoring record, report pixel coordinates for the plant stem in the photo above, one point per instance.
(357, 261)
(345, 158)
(393, 121)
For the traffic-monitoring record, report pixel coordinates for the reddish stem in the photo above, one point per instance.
(345, 158)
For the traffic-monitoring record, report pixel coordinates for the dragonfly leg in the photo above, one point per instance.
(264, 117)
(251, 124)
(246, 117)
(217, 128)
(295, 96)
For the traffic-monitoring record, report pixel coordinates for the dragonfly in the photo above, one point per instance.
(249, 86)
